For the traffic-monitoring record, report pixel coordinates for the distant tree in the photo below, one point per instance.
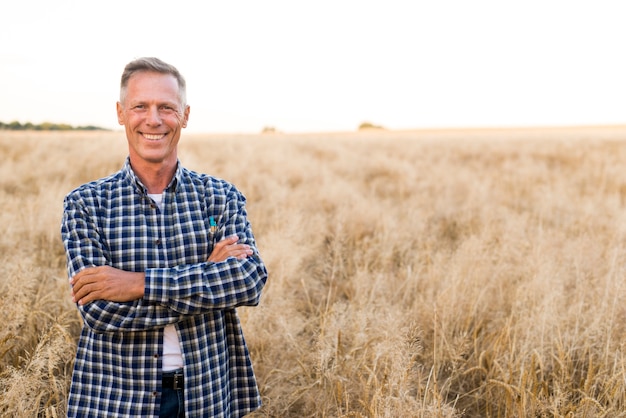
(49, 126)
(268, 130)
(369, 125)
(46, 126)
(15, 125)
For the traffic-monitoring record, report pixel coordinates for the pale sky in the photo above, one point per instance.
(323, 65)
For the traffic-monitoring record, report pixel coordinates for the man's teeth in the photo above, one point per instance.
(148, 136)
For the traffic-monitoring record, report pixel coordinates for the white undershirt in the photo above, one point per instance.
(172, 357)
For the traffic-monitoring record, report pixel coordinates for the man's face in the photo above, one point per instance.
(153, 117)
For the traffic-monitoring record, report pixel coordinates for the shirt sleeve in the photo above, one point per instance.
(198, 288)
(85, 248)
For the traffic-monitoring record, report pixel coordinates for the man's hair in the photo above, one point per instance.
(154, 65)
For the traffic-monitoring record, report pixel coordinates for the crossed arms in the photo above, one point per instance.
(109, 283)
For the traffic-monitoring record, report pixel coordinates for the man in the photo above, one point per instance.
(159, 257)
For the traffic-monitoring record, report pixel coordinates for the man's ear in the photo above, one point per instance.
(186, 116)
(120, 113)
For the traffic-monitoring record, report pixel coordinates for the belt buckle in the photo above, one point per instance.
(178, 381)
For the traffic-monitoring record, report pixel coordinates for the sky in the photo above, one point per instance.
(324, 65)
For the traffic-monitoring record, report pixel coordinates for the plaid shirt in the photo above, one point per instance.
(118, 364)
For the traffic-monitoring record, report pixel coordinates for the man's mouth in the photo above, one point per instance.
(153, 137)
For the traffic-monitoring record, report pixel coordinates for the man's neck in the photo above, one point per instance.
(155, 177)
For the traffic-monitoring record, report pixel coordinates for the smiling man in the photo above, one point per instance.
(159, 258)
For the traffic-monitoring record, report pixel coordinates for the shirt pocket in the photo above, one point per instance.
(190, 237)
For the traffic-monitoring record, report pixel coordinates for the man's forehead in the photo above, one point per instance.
(155, 85)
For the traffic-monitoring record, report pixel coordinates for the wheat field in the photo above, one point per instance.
(458, 273)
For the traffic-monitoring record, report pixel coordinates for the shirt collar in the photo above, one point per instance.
(132, 178)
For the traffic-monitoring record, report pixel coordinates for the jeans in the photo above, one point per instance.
(172, 403)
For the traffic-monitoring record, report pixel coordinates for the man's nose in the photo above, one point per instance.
(154, 118)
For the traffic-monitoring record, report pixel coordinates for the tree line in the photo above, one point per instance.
(46, 126)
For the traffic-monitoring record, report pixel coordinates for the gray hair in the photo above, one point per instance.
(154, 65)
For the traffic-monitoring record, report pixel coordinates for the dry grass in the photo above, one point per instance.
(424, 274)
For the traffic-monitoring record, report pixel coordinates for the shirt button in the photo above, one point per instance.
(154, 394)
(157, 241)
(156, 356)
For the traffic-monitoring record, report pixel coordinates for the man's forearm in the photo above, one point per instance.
(107, 283)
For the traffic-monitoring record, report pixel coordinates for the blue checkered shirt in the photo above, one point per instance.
(118, 367)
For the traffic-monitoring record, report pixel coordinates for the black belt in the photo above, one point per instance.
(173, 380)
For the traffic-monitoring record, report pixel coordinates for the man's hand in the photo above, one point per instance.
(107, 283)
(228, 247)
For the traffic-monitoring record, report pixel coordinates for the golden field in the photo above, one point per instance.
(459, 273)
